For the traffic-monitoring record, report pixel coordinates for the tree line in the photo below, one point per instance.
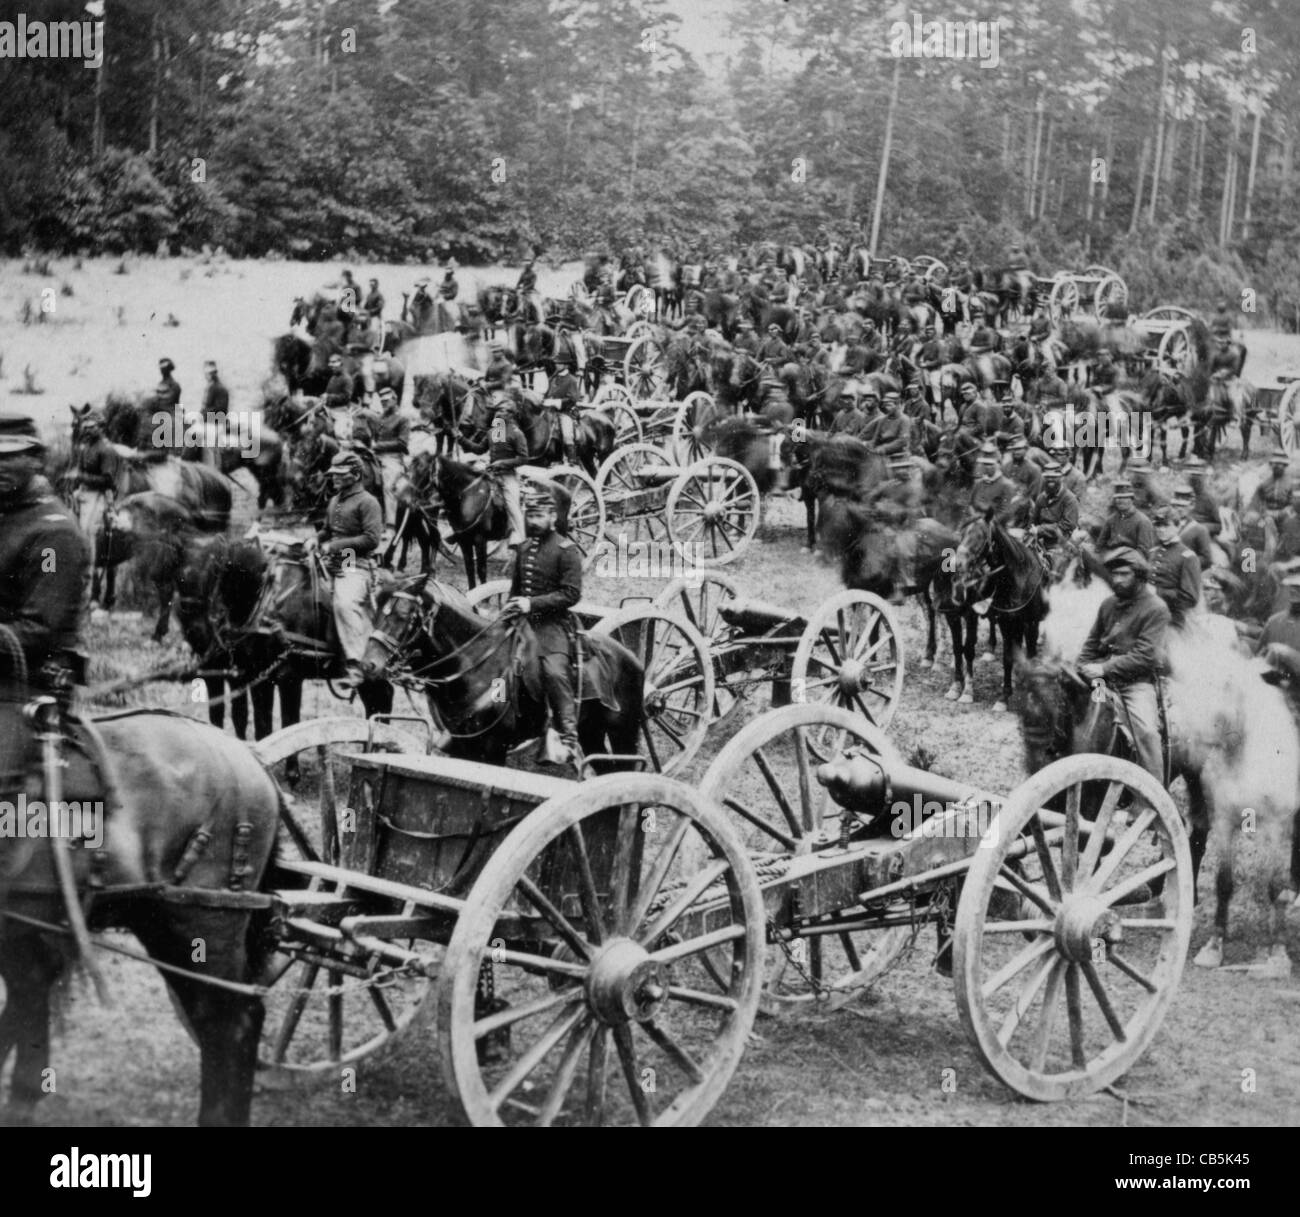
(1158, 138)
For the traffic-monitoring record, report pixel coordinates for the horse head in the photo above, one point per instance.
(402, 615)
(1060, 714)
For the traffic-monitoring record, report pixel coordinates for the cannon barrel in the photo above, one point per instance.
(862, 784)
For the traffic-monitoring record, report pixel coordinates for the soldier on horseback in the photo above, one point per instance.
(890, 433)
(1125, 648)
(746, 340)
(352, 531)
(567, 391)
(545, 584)
(507, 451)
(1273, 496)
(1055, 513)
(1193, 534)
(44, 562)
(340, 388)
(993, 491)
(1175, 572)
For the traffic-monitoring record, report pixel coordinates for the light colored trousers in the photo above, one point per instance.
(1144, 717)
(350, 591)
(510, 488)
(90, 511)
(390, 469)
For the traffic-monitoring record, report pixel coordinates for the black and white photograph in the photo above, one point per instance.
(603, 563)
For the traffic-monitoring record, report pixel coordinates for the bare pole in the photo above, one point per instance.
(884, 156)
(1250, 176)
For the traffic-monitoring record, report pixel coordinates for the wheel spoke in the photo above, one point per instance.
(561, 923)
(1035, 950)
(694, 997)
(597, 1066)
(516, 1014)
(769, 776)
(381, 1005)
(292, 1016)
(1097, 833)
(1074, 1006)
(698, 884)
(1026, 889)
(1025, 999)
(1135, 830)
(579, 1040)
(537, 1052)
(1133, 882)
(1070, 842)
(1042, 1036)
(693, 946)
(627, 1058)
(1130, 971)
(673, 1050)
(1103, 1000)
(788, 842)
(587, 886)
(655, 879)
(1050, 876)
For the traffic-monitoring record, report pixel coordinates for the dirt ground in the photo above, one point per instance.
(898, 1056)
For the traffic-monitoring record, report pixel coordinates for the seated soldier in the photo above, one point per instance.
(1175, 572)
(1273, 496)
(1125, 525)
(339, 389)
(1279, 642)
(1055, 513)
(1026, 474)
(889, 434)
(1126, 649)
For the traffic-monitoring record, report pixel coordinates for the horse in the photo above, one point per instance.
(992, 565)
(202, 493)
(1231, 399)
(473, 504)
(1233, 751)
(288, 637)
(1168, 399)
(593, 436)
(483, 680)
(175, 784)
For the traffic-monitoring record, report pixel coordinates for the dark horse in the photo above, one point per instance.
(290, 633)
(474, 506)
(993, 566)
(484, 680)
(176, 783)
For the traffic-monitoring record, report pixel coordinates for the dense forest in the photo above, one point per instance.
(1158, 136)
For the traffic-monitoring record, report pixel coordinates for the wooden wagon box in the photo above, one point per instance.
(433, 821)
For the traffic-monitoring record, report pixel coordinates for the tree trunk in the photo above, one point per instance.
(157, 85)
(97, 125)
(1039, 111)
(1109, 165)
(1142, 174)
(1045, 170)
(1158, 159)
(1006, 159)
(1226, 206)
(1092, 194)
(882, 177)
(1250, 176)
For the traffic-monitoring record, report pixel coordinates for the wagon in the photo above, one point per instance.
(637, 360)
(1173, 338)
(1097, 291)
(1281, 401)
(597, 952)
(705, 512)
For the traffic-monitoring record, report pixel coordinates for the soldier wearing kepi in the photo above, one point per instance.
(1126, 649)
(92, 480)
(44, 564)
(353, 529)
(1055, 514)
(507, 450)
(545, 585)
(992, 489)
(1175, 572)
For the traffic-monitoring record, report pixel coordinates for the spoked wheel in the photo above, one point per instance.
(1111, 295)
(765, 780)
(640, 300)
(679, 684)
(592, 931)
(488, 599)
(631, 485)
(324, 1012)
(1064, 300)
(714, 508)
(645, 367)
(586, 520)
(627, 422)
(695, 428)
(851, 655)
(311, 763)
(1176, 349)
(699, 603)
(1288, 418)
(1073, 927)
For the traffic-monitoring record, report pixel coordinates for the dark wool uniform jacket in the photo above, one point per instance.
(391, 433)
(216, 398)
(353, 522)
(97, 465)
(999, 495)
(888, 436)
(1176, 577)
(1133, 529)
(1061, 512)
(1128, 638)
(1197, 538)
(549, 572)
(508, 446)
(44, 563)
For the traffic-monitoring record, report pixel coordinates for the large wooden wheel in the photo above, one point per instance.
(632, 485)
(645, 367)
(679, 683)
(616, 406)
(695, 428)
(765, 781)
(325, 1013)
(714, 508)
(1073, 926)
(1111, 295)
(1176, 349)
(586, 519)
(593, 933)
(699, 602)
(640, 300)
(851, 655)
(1168, 312)
(1288, 418)
(1064, 299)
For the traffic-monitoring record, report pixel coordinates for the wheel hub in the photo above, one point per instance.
(853, 677)
(1082, 921)
(624, 983)
(712, 510)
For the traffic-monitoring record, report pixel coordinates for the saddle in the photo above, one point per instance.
(591, 667)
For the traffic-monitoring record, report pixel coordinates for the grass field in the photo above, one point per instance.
(880, 1062)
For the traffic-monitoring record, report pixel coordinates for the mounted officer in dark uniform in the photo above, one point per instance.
(546, 583)
(44, 566)
(1175, 572)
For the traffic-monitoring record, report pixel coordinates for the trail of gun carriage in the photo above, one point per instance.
(503, 682)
